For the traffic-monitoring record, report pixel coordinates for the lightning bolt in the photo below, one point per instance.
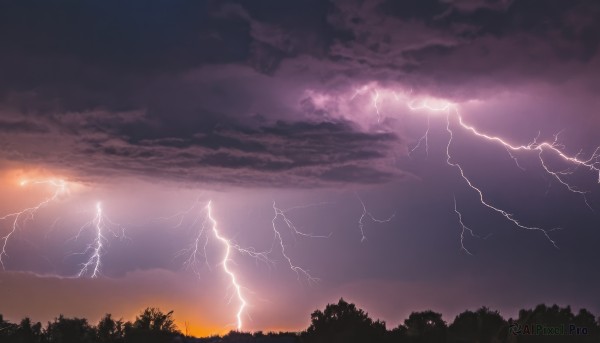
(281, 214)
(60, 187)
(200, 240)
(464, 229)
(592, 163)
(367, 214)
(198, 247)
(542, 149)
(206, 223)
(375, 100)
(424, 138)
(225, 263)
(508, 216)
(102, 226)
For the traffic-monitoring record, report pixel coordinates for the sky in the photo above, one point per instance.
(405, 155)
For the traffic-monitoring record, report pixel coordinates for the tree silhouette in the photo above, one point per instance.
(558, 317)
(482, 326)
(68, 330)
(110, 331)
(151, 326)
(7, 329)
(425, 327)
(585, 319)
(398, 334)
(28, 332)
(343, 322)
(25, 332)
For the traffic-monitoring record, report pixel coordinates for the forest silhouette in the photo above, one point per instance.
(341, 322)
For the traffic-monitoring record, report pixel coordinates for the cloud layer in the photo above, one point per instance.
(216, 92)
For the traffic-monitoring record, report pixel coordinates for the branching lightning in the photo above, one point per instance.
(509, 216)
(542, 149)
(424, 139)
(464, 229)
(201, 239)
(199, 246)
(281, 213)
(102, 227)
(18, 218)
(367, 214)
(206, 224)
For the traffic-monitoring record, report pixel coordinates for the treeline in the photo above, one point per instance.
(341, 322)
(151, 325)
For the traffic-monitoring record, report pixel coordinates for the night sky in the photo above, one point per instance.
(340, 112)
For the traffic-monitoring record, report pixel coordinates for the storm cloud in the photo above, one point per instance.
(219, 88)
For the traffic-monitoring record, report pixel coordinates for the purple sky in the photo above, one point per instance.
(152, 106)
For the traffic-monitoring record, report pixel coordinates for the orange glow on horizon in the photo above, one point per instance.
(198, 330)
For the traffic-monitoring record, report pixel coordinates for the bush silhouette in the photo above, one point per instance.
(151, 326)
(343, 322)
(69, 330)
(425, 327)
(558, 317)
(110, 331)
(482, 325)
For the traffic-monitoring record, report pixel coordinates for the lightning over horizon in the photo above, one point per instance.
(225, 263)
(205, 224)
(242, 164)
(200, 241)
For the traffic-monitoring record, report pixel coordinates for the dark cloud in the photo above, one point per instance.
(87, 55)
(298, 154)
(453, 47)
(21, 126)
(157, 87)
(284, 30)
(136, 37)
